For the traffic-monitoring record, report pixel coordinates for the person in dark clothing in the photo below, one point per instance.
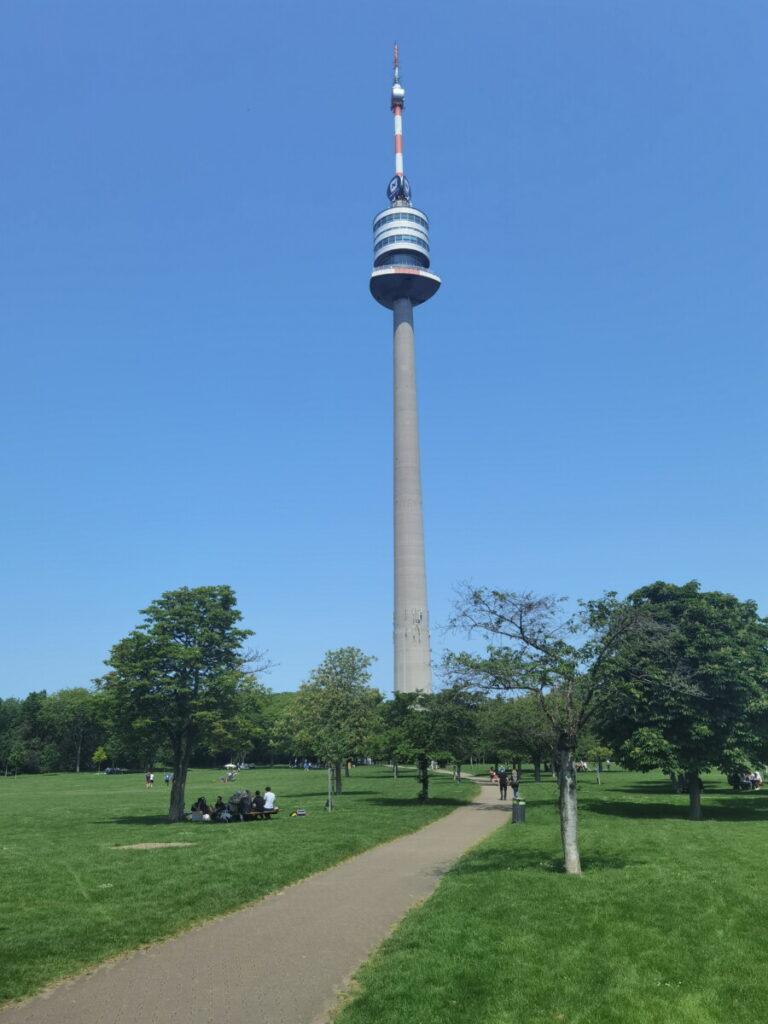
(502, 776)
(258, 805)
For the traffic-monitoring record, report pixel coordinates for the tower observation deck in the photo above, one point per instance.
(401, 232)
(401, 279)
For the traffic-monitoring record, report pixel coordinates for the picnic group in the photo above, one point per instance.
(241, 806)
(746, 780)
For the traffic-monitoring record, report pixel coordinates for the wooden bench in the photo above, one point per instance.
(260, 815)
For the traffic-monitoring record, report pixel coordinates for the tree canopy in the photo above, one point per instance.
(179, 676)
(563, 660)
(693, 695)
(333, 713)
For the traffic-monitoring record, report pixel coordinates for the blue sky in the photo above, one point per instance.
(197, 383)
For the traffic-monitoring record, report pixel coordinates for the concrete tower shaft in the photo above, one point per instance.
(413, 664)
(401, 279)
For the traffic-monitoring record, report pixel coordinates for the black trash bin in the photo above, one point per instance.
(518, 811)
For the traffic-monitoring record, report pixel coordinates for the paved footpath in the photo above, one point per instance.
(284, 960)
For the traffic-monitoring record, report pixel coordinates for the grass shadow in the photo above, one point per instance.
(711, 810)
(535, 860)
(434, 801)
(138, 819)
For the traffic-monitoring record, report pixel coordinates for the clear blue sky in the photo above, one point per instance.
(197, 384)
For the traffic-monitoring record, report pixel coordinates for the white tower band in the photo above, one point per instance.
(400, 281)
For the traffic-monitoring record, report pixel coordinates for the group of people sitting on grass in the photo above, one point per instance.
(245, 806)
(745, 780)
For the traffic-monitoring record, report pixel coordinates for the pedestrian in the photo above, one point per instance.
(503, 783)
(147, 777)
(167, 779)
(514, 781)
(151, 780)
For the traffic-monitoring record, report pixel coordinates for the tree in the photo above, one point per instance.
(417, 727)
(562, 660)
(694, 696)
(10, 733)
(177, 677)
(99, 757)
(235, 736)
(72, 719)
(333, 713)
(455, 723)
(517, 730)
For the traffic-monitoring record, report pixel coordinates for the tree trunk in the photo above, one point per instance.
(457, 772)
(537, 771)
(423, 765)
(77, 755)
(346, 769)
(176, 809)
(180, 766)
(337, 782)
(568, 809)
(394, 769)
(694, 797)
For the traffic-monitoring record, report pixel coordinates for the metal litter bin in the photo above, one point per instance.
(518, 812)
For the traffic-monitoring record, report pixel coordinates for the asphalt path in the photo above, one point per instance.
(284, 960)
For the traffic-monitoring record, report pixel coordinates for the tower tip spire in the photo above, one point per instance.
(398, 92)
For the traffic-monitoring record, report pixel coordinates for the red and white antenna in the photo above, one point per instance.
(398, 102)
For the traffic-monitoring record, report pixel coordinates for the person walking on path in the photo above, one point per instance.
(502, 783)
(514, 781)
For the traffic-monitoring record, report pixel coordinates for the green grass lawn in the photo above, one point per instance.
(665, 926)
(69, 899)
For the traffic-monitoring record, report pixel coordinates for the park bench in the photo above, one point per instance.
(248, 816)
(260, 815)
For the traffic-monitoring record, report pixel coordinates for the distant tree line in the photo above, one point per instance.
(62, 731)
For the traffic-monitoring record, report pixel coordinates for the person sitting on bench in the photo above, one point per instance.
(269, 800)
(258, 805)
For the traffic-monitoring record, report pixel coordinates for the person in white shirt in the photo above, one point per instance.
(269, 799)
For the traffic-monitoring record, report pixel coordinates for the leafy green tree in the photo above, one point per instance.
(389, 740)
(10, 732)
(518, 730)
(236, 735)
(419, 727)
(177, 677)
(33, 737)
(408, 729)
(272, 744)
(455, 724)
(562, 660)
(598, 754)
(694, 695)
(333, 714)
(73, 720)
(99, 757)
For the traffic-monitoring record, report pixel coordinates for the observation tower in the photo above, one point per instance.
(401, 279)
